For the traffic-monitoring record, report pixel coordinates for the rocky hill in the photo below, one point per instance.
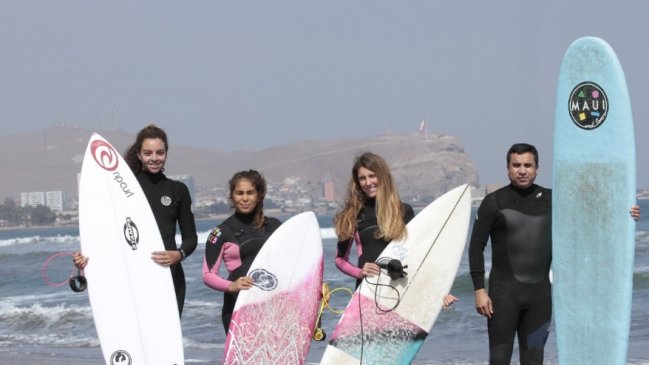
(423, 166)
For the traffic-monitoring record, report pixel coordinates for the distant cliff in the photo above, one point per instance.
(424, 167)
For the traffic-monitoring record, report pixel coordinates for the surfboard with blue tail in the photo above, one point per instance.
(593, 188)
(388, 319)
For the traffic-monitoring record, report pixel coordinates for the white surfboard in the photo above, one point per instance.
(387, 322)
(132, 298)
(273, 322)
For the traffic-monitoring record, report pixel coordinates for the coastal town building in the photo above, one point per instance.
(328, 189)
(55, 200)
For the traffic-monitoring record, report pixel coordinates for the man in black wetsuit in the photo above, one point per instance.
(518, 219)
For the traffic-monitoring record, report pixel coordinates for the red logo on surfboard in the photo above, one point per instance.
(104, 154)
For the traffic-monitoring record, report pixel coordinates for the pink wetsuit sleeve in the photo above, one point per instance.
(211, 277)
(342, 259)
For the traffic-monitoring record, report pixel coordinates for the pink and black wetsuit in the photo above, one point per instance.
(368, 247)
(235, 242)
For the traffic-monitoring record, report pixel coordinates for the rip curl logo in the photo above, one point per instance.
(263, 279)
(588, 105)
(131, 233)
(120, 357)
(104, 154)
(165, 200)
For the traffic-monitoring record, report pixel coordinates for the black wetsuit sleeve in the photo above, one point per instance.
(186, 220)
(481, 229)
(408, 213)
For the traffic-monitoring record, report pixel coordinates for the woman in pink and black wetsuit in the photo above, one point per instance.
(238, 239)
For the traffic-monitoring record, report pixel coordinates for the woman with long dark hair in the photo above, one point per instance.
(169, 200)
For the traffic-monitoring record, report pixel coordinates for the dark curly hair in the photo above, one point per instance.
(259, 183)
(151, 131)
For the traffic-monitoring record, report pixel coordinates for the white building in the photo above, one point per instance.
(52, 199)
(32, 199)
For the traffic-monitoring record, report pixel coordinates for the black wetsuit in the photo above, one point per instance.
(368, 246)
(519, 222)
(236, 242)
(171, 203)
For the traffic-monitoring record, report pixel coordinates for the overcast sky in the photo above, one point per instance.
(233, 75)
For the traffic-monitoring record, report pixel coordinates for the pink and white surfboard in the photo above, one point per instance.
(273, 322)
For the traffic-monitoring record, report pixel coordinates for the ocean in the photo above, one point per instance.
(37, 318)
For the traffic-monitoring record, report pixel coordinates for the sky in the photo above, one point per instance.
(248, 75)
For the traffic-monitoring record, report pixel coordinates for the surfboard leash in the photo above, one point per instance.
(319, 333)
(376, 303)
(376, 296)
(76, 282)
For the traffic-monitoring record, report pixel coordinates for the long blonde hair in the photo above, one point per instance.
(389, 211)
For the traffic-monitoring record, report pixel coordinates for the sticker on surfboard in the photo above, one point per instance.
(588, 105)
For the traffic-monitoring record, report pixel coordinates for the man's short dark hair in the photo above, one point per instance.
(521, 148)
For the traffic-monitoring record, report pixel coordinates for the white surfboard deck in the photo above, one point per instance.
(132, 298)
(432, 250)
(273, 322)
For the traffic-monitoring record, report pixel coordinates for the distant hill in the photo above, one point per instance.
(424, 167)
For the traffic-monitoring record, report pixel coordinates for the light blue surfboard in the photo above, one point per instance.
(593, 188)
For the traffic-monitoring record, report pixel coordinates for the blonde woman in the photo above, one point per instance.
(372, 216)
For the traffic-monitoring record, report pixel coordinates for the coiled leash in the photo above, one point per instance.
(319, 333)
(77, 283)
